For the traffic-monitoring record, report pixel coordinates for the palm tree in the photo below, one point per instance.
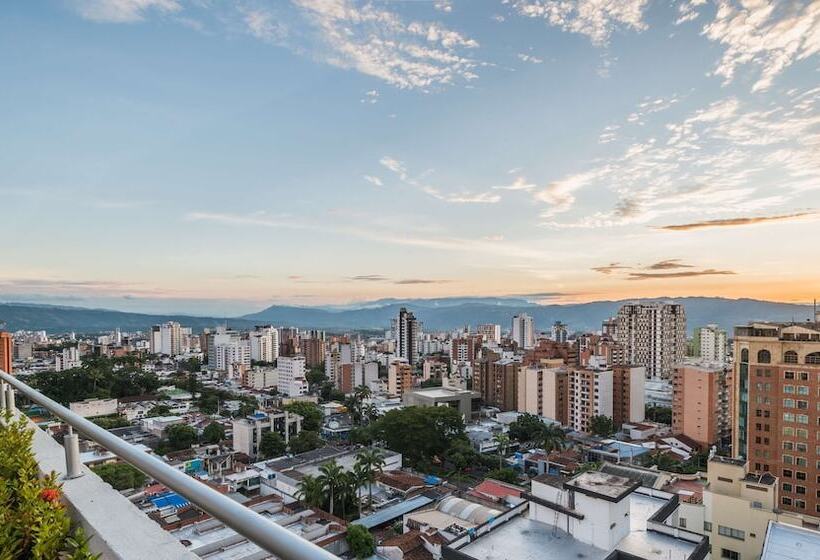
(503, 441)
(310, 491)
(331, 479)
(370, 461)
(370, 412)
(358, 477)
(552, 437)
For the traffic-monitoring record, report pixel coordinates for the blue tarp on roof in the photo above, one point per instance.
(171, 499)
(393, 512)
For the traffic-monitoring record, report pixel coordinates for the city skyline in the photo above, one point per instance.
(216, 156)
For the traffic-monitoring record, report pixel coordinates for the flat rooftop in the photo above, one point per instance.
(787, 542)
(603, 484)
(441, 393)
(524, 539)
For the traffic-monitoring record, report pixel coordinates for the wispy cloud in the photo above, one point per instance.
(371, 97)
(373, 180)
(123, 11)
(683, 274)
(669, 264)
(460, 197)
(744, 221)
(532, 59)
(770, 35)
(560, 195)
(610, 268)
(597, 19)
(368, 278)
(411, 281)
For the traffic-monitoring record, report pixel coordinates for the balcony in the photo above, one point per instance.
(118, 530)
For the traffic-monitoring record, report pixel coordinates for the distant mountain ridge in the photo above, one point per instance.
(437, 314)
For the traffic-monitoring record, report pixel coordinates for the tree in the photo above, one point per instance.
(601, 425)
(527, 428)
(504, 475)
(111, 422)
(315, 377)
(432, 382)
(305, 441)
(181, 436)
(310, 491)
(503, 441)
(310, 413)
(552, 437)
(660, 414)
(191, 365)
(120, 476)
(331, 479)
(370, 461)
(461, 454)
(419, 434)
(159, 410)
(271, 445)
(213, 433)
(360, 541)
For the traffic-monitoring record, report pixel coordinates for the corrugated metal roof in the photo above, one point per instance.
(393, 512)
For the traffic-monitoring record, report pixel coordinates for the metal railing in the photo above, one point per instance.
(259, 530)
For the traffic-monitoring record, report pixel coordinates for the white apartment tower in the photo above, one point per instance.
(292, 381)
(559, 332)
(264, 342)
(491, 333)
(711, 344)
(523, 331)
(653, 336)
(170, 338)
(406, 333)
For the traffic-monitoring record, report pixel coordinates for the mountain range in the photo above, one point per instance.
(436, 314)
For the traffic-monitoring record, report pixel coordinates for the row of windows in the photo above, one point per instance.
(791, 403)
(792, 389)
(799, 418)
(731, 532)
(789, 357)
(792, 460)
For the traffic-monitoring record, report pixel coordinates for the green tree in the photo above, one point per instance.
(110, 422)
(180, 436)
(331, 478)
(661, 414)
(504, 475)
(316, 377)
(601, 425)
(310, 491)
(370, 462)
(120, 476)
(461, 454)
(552, 437)
(503, 441)
(305, 441)
(213, 433)
(272, 445)
(310, 413)
(526, 429)
(159, 410)
(360, 541)
(419, 434)
(192, 365)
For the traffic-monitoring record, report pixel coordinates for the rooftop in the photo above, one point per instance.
(787, 542)
(602, 484)
(524, 539)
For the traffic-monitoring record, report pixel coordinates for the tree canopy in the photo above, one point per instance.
(360, 541)
(213, 433)
(120, 476)
(310, 413)
(181, 436)
(601, 425)
(305, 441)
(272, 445)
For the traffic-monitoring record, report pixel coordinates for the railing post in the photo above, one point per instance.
(73, 465)
(10, 400)
(2, 396)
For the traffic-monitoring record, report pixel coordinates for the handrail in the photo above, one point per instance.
(262, 532)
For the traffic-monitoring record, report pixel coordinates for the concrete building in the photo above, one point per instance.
(464, 349)
(498, 382)
(739, 505)
(491, 333)
(6, 351)
(314, 351)
(232, 357)
(248, 431)
(523, 331)
(68, 358)
(559, 332)
(260, 377)
(590, 394)
(465, 401)
(775, 403)
(711, 344)
(170, 335)
(264, 344)
(91, 408)
(406, 333)
(628, 398)
(544, 391)
(399, 378)
(653, 336)
(701, 403)
(292, 381)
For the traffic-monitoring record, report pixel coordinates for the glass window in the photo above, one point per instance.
(788, 389)
(729, 554)
(731, 532)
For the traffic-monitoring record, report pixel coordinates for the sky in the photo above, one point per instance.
(217, 156)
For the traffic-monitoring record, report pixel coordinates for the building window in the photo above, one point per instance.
(813, 358)
(682, 522)
(729, 554)
(707, 526)
(801, 462)
(800, 489)
(764, 357)
(744, 355)
(801, 476)
(801, 447)
(731, 532)
(800, 504)
(803, 390)
(788, 403)
(787, 473)
(789, 374)
(788, 445)
(787, 487)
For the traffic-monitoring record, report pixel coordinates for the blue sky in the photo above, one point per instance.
(215, 156)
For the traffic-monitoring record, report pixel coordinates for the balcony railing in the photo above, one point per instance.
(264, 533)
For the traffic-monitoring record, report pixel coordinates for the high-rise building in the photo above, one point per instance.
(502, 385)
(314, 350)
(523, 331)
(653, 336)
(628, 398)
(264, 343)
(543, 390)
(6, 351)
(292, 381)
(463, 350)
(170, 335)
(559, 332)
(775, 407)
(155, 339)
(232, 357)
(68, 358)
(710, 344)
(399, 378)
(491, 333)
(701, 404)
(406, 333)
(590, 394)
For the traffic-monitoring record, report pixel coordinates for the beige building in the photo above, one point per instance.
(653, 335)
(399, 378)
(543, 390)
(738, 507)
(248, 431)
(701, 403)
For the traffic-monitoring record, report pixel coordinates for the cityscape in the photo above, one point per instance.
(419, 280)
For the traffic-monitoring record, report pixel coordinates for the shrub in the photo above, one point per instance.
(33, 522)
(360, 541)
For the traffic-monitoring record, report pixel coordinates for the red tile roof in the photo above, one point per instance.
(496, 489)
